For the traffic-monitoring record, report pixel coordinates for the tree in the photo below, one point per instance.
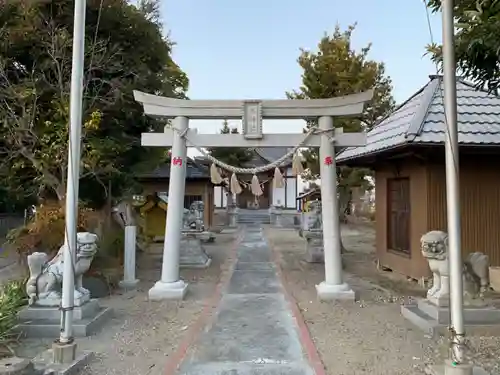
(234, 156)
(477, 41)
(336, 69)
(125, 50)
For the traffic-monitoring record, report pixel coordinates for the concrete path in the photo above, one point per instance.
(254, 332)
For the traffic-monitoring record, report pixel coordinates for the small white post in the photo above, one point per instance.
(333, 287)
(171, 286)
(129, 281)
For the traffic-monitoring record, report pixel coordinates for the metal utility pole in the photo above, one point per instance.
(75, 132)
(452, 185)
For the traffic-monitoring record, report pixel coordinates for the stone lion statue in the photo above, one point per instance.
(195, 215)
(44, 284)
(475, 270)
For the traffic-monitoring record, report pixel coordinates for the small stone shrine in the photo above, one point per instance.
(432, 314)
(42, 317)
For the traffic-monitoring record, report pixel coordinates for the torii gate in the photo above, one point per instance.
(252, 112)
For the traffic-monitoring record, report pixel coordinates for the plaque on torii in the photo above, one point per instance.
(252, 119)
(252, 112)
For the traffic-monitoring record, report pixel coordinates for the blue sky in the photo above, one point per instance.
(248, 49)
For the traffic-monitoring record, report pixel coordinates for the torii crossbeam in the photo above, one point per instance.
(252, 112)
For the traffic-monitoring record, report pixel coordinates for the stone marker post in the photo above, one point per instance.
(129, 281)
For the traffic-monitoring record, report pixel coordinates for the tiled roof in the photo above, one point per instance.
(260, 157)
(421, 120)
(193, 171)
(265, 155)
(272, 153)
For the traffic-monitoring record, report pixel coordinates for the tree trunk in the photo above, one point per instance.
(344, 200)
(60, 192)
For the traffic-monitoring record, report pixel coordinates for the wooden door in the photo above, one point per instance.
(398, 210)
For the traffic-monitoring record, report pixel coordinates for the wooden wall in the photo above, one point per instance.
(480, 205)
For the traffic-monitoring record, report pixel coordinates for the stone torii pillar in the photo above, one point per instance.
(179, 137)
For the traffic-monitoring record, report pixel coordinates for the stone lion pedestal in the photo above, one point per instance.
(42, 318)
(315, 252)
(192, 252)
(432, 314)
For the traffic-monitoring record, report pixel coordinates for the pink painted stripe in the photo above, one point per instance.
(194, 332)
(304, 333)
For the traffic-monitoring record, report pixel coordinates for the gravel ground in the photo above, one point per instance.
(369, 336)
(142, 334)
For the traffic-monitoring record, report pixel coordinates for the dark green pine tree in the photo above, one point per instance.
(234, 156)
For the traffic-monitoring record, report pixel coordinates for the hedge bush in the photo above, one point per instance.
(12, 298)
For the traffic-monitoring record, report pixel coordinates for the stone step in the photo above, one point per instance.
(432, 327)
(482, 315)
(423, 321)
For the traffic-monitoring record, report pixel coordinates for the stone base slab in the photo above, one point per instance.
(481, 315)
(434, 320)
(165, 291)
(128, 284)
(207, 237)
(44, 363)
(45, 322)
(80, 299)
(329, 292)
(315, 252)
(16, 366)
(86, 311)
(193, 254)
(449, 369)
(229, 230)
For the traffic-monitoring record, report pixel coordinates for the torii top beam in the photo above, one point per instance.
(349, 105)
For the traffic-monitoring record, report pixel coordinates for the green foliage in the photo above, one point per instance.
(336, 69)
(108, 262)
(12, 298)
(234, 156)
(477, 41)
(125, 51)
(111, 248)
